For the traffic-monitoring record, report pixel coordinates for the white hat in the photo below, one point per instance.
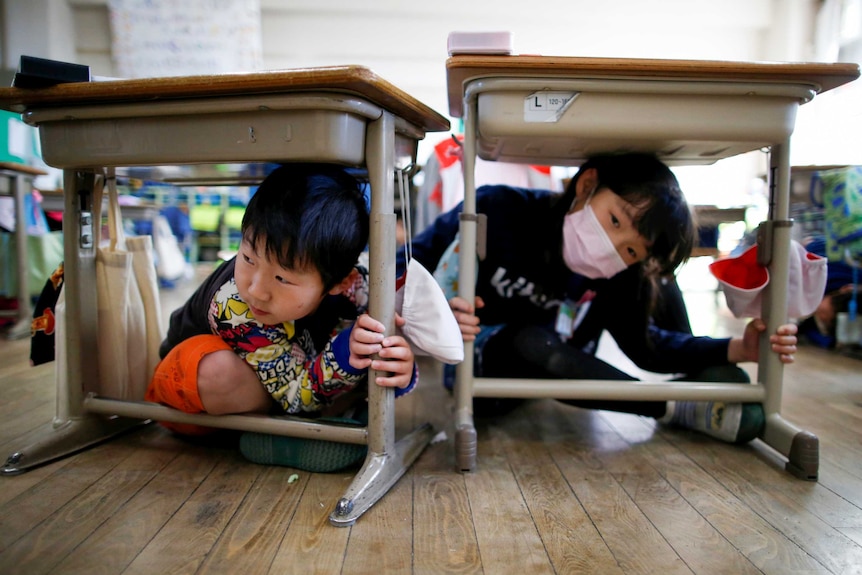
(429, 324)
(742, 280)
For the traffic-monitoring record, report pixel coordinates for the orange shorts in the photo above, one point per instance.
(175, 382)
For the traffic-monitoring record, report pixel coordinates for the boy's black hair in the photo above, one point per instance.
(309, 216)
(663, 216)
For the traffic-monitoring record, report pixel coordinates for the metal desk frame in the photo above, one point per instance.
(345, 115)
(621, 102)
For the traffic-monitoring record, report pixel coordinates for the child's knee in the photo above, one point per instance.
(218, 373)
(538, 345)
(721, 374)
(175, 381)
(227, 384)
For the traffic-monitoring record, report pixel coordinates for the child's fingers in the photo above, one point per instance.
(469, 332)
(394, 341)
(365, 349)
(786, 340)
(358, 362)
(395, 354)
(783, 342)
(466, 318)
(367, 322)
(393, 373)
(392, 367)
(787, 329)
(458, 303)
(392, 354)
(392, 381)
(394, 360)
(784, 347)
(365, 336)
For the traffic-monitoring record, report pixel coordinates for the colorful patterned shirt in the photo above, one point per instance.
(298, 375)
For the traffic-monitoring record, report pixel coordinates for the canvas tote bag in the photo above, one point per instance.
(129, 312)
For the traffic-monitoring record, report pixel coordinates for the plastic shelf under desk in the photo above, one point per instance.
(346, 115)
(687, 112)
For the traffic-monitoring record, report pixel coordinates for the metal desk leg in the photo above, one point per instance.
(73, 429)
(21, 328)
(465, 429)
(387, 460)
(801, 448)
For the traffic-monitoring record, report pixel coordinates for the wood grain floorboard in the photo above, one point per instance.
(254, 534)
(571, 539)
(116, 543)
(184, 542)
(310, 543)
(633, 540)
(726, 508)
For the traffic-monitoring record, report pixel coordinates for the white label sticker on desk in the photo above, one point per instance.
(547, 106)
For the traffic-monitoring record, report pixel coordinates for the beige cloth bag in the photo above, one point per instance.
(129, 312)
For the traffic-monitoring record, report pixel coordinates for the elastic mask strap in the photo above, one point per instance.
(402, 181)
(586, 201)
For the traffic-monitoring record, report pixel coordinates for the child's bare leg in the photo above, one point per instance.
(227, 384)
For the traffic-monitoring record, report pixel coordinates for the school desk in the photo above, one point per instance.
(561, 110)
(342, 114)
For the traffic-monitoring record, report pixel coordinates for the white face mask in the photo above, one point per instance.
(587, 249)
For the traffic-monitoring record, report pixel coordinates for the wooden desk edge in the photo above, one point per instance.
(22, 169)
(357, 80)
(462, 68)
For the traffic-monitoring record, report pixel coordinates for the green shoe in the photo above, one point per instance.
(315, 455)
(729, 422)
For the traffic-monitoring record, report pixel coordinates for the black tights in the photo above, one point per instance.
(538, 353)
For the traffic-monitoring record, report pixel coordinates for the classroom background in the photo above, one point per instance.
(558, 489)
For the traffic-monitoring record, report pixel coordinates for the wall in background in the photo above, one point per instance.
(37, 28)
(405, 42)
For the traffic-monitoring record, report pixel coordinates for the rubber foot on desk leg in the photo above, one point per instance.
(465, 448)
(803, 461)
(344, 508)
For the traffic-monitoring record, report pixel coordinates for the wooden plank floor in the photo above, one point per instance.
(557, 490)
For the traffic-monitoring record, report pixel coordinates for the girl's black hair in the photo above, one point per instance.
(663, 216)
(310, 216)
